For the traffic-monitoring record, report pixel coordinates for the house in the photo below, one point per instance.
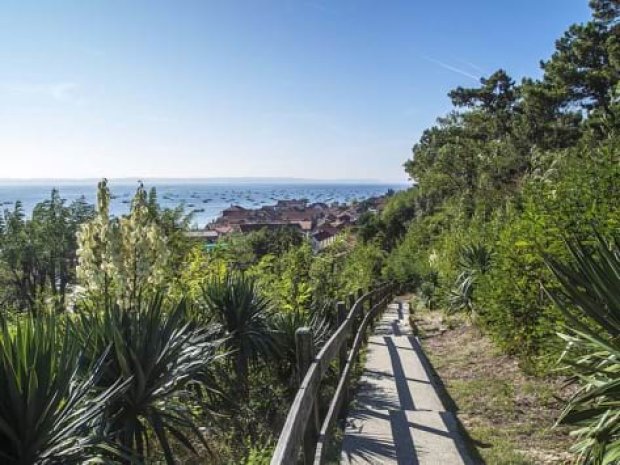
(249, 227)
(294, 203)
(205, 235)
(321, 206)
(345, 218)
(323, 238)
(234, 212)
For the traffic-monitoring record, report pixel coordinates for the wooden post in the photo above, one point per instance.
(342, 356)
(303, 346)
(364, 308)
(356, 319)
(341, 311)
(371, 304)
(361, 310)
(305, 354)
(351, 300)
(360, 293)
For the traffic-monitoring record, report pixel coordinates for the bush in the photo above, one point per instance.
(158, 355)
(47, 411)
(591, 289)
(563, 199)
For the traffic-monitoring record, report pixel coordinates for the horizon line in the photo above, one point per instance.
(204, 179)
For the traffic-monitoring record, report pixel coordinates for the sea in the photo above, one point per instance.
(204, 200)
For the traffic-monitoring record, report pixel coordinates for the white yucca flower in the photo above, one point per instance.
(129, 254)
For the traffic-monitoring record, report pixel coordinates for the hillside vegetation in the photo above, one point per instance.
(513, 216)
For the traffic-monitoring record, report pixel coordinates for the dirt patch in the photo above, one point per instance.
(508, 414)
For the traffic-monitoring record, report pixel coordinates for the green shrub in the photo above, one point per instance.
(158, 355)
(579, 187)
(48, 413)
(591, 289)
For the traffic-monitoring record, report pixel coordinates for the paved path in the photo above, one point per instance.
(397, 415)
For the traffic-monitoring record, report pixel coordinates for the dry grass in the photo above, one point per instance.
(508, 414)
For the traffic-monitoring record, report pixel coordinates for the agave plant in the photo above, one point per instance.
(590, 288)
(158, 354)
(46, 410)
(234, 302)
(474, 260)
(461, 296)
(285, 325)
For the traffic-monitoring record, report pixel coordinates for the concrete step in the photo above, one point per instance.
(400, 437)
(395, 377)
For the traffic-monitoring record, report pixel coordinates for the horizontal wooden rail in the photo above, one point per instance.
(298, 429)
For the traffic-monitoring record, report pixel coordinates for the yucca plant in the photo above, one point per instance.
(235, 303)
(159, 355)
(475, 258)
(47, 411)
(474, 261)
(285, 325)
(590, 300)
(461, 295)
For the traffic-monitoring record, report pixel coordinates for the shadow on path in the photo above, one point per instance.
(466, 448)
(406, 401)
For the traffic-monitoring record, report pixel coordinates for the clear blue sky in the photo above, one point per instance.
(317, 88)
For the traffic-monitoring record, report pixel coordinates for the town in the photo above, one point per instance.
(318, 221)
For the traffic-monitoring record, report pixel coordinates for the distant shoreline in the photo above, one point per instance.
(205, 200)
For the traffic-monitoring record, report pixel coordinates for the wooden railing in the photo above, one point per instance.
(303, 430)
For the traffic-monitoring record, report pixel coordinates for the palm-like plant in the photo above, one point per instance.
(461, 296)
(591, 289)
(158, 354)
(474, 261)
(475, 257)
(285, 325)
(46, 410)
(234, 302)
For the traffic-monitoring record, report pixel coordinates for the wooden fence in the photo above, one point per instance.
(304, 431)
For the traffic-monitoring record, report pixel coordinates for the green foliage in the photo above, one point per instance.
(235, 303)
(158, 355)
(474, 261)
(388, 227)
(38, 255)
(590, 288)
(273, 241)
(362, 268)
(579, 187)
(284, 325)
(324, 273)
(416, 255)
(198, 267)
(585, 64)
(259, 455)
(461, 295)
(46, 409)
(427, 291)
(285, 279)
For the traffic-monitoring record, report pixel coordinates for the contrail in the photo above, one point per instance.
(452, 68)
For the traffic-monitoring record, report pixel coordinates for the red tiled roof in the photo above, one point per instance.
(235, 208)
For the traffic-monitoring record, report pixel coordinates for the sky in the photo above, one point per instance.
(204, 88)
